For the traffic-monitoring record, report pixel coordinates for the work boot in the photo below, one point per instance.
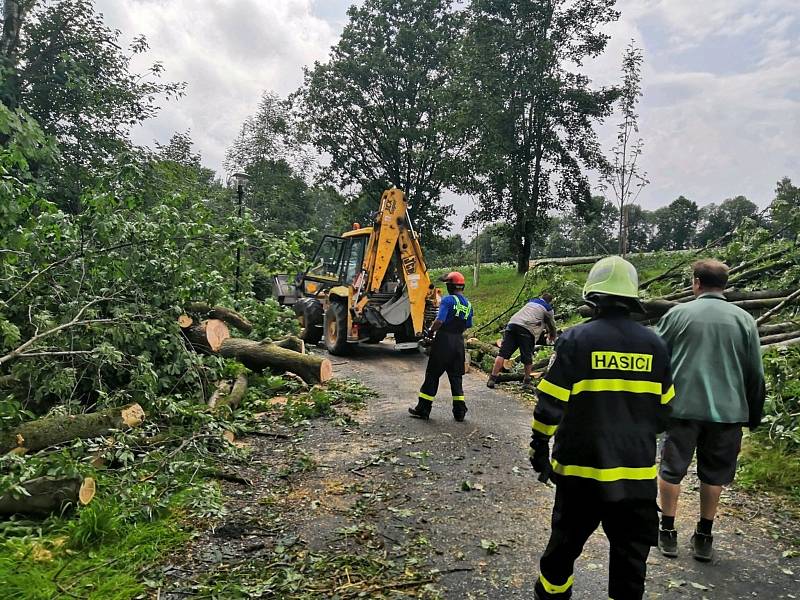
(702, 544)
(668, 542)
(527, 385)
(491, 382)
(422, 410)
(459, 411)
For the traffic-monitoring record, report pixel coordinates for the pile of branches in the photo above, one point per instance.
(767, 285)
(204, 329)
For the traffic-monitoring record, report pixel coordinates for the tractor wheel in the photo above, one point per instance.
(336, 328)
(309, 315)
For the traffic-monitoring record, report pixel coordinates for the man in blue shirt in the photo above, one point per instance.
(447, 349)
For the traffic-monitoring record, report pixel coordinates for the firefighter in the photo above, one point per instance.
(446, 340)
(605, 398)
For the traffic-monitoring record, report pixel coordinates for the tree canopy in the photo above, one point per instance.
(382, 106)
(531, 111)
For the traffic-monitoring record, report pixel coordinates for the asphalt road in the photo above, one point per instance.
(467, 491)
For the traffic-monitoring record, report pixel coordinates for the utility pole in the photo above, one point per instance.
(477, 269)
(240, 196)
(240, 179)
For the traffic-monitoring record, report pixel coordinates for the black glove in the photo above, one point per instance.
(427, 338)
(540, 458)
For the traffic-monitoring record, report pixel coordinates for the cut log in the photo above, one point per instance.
(292, 342)
(185, 321)
(208, 335)
(50, 431)
(257, 356)
(48, 495)
(234, 397)
(228, 315)
(87, 491)
(509, 377)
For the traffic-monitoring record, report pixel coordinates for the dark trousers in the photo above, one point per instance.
(631, 527)
(447, 356)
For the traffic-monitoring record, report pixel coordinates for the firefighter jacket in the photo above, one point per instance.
(605, 399)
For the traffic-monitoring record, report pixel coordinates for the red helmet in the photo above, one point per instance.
(453, 277)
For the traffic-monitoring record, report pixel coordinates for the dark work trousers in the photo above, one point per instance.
(631, 527)
(447, 356)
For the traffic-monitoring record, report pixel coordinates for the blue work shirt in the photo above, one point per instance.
(448, 313)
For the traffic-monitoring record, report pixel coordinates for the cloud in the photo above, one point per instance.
(720, 115)
(228, 52)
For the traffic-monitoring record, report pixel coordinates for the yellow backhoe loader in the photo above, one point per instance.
(365, 284)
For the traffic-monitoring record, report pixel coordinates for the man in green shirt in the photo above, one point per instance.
(719, 387)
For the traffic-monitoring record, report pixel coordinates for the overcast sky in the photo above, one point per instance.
(720, 114)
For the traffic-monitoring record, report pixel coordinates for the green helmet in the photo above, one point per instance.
(612, 276)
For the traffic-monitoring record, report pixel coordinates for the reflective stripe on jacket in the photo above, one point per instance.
(605, 398)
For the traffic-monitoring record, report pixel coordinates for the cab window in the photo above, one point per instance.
(355, 258)
(329, 256)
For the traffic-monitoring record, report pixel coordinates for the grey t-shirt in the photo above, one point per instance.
(535, 318)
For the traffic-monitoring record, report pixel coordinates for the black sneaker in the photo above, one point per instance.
(702, 545)
(491, 382)
(527, 385)
(668, 542)
(459, 411)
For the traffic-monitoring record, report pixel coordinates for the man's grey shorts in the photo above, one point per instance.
(717, 445)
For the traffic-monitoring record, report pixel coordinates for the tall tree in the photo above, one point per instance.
(270, 134)
(587, 231)
(785, 207)
(625, 178)
(381, 106)
(717, 220)
(676, 225)
(270, 151)
(533, 118)
(65, 67)
(640, 228)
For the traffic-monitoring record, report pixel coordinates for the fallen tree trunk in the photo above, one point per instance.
(258, 356)
(778, 345)
(227, 315)
(49, 431)
(764, 330)
(753, 273)
(482, 347)
(207, 336)
(291, 342)
(777, 308)
(48, 495)
(733, 295)
(756, 260)
(779, 337)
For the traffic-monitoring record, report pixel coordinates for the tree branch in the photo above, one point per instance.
(76, 321)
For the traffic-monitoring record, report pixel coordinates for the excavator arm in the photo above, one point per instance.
(393, 231)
